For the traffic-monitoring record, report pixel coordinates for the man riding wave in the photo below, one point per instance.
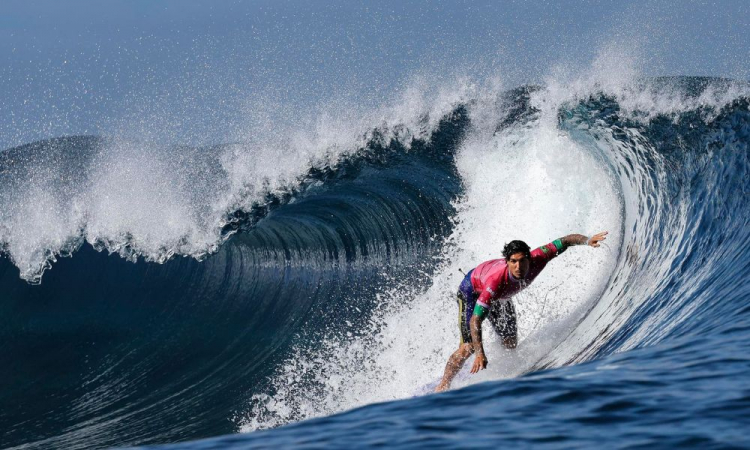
(485, 293)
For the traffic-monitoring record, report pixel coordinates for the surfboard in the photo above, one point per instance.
(429, 388)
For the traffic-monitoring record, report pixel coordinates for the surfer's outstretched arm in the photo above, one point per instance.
(579, 239)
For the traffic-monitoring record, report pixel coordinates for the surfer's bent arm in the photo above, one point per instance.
(480, 360)
(481, 309)
(476, 332)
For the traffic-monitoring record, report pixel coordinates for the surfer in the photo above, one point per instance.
(486, 290)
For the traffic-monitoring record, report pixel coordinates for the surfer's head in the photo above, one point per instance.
(517, 255)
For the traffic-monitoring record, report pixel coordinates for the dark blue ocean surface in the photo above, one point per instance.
(156, 296)
(678, 394)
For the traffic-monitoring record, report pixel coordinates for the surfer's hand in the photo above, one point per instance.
(480, 362)
(597, 238)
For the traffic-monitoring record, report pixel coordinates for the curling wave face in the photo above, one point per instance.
(128, 337)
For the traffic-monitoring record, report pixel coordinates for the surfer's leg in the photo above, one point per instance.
(455, 363)
(503, 320)
(465, 349)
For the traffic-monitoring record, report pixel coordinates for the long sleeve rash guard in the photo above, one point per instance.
(492, 279)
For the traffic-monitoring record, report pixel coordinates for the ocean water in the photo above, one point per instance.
(297, 288)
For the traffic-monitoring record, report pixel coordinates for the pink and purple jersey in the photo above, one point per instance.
(492, 280)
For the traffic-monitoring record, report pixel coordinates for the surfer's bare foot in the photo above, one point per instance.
(441, 387)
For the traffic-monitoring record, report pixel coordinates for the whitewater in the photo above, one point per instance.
(296, 287)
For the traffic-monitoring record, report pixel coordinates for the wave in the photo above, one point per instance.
(125, 335)
(204, 294)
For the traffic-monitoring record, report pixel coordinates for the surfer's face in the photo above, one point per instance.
(518, 264)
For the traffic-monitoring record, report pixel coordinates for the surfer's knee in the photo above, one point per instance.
(465, 350)
(462, 354)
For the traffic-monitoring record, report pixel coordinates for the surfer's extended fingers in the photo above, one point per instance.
(595, 239)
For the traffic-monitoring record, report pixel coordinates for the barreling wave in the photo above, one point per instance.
(683, 176)
(128, 335)
(257, 304)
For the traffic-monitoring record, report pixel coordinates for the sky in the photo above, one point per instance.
(191, 72)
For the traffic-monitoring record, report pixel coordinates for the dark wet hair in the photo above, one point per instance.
(513, 247)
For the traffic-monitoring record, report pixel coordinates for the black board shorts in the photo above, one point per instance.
(502, 315)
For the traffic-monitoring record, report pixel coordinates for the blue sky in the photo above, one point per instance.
(83, 66)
